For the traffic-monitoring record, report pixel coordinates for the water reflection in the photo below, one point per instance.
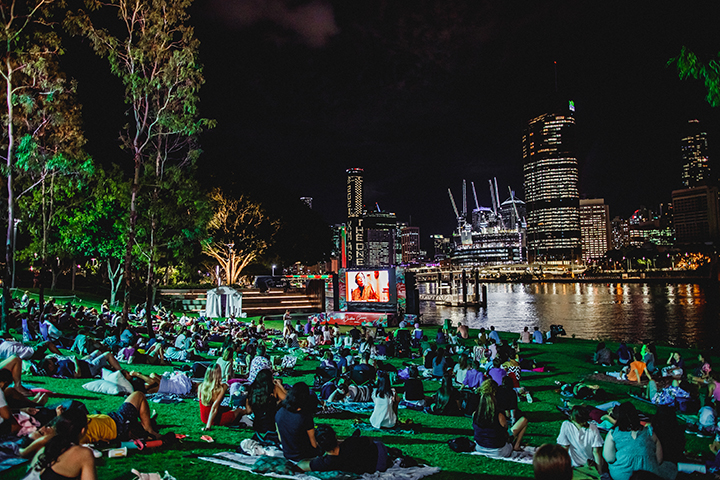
(683, 314)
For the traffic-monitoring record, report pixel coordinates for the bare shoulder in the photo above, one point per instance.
(79, 453)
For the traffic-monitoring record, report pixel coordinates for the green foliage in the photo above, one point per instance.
(690, 66)
(95, 228)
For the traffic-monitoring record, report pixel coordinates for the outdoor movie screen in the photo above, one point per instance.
(368, 286)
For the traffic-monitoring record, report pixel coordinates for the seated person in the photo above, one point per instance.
(385, 399)
(474, 376)
(603, 355)
(87, 367)
(414, 389)
(363, 372)
(356, 454)
(296, 425)
(538, 336)
(674, 362)
(447, 400)
(552, 462)
(582, 439)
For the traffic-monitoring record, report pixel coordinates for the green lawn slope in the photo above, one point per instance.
(567, 360)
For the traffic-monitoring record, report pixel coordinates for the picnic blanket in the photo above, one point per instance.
(245, 463)
(601, 377)
(524, 456)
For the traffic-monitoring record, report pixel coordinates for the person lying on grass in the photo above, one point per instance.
(131, 420)
(356, 454)
(86, 367)
(61, 457)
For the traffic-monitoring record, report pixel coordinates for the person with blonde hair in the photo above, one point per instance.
(494, 436)
(210, 393)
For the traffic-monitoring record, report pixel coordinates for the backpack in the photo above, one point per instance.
(461, 444)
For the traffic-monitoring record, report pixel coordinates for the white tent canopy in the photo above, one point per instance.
(223, 301)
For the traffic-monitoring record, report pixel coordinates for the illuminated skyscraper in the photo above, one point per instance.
(410, 244)
(551, 188)
(307, 201)
(696, 168)
(354, 192)
(595, 227)
(355, 230)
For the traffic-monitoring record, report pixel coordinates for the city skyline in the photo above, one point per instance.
(422, 96)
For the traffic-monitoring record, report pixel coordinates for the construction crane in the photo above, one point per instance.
(492, 197)
(460, 219)
(477, 205)
(464, 199)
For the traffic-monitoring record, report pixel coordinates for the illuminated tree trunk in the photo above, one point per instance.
(127, 269)
(9, 242)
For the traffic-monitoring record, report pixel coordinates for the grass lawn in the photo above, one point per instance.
(568, 360)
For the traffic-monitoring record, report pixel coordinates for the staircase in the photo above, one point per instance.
(274, 302)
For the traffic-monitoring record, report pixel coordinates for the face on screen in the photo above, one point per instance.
(367, 286)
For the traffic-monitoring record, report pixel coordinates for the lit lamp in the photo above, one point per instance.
(273, 270)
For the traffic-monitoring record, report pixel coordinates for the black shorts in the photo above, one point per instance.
(126, 420)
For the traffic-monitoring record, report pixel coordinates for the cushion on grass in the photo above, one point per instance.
(112, 383)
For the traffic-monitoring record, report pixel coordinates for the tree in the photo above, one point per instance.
(155, 57)
(171, 224)
(239, 232)
(51, 166)
(30, 47)
(97, 228)
(690, 66)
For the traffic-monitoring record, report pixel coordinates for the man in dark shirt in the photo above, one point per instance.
(363, 372)
(355, 334)
(356, 454)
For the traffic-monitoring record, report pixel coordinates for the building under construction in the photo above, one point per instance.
(493, 235)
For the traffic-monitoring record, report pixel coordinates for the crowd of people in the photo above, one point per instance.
(477, 378)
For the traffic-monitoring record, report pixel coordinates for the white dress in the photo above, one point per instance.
(383, 415)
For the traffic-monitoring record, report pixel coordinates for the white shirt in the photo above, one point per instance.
(3, 403)
(580, 440)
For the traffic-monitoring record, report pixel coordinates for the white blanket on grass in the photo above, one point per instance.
(524, 456)
(246, 462)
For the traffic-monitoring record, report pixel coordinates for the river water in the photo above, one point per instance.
(680, 314)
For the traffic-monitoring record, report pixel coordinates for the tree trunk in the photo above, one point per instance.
(114, 280)
(55, 271)
(72, 278)
(9, 244)
(127, 277)
(150, 284)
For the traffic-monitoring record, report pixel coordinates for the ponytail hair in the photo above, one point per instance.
(68, 428)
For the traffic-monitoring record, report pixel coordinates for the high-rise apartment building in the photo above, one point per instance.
(550, 171)
(354, 192)
(410, 237)
(595, 228)
(694, 148)
(696, 215)
(355, 231)
(380, 230)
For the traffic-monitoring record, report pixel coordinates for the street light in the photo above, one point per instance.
(273, 270)
(17, 220)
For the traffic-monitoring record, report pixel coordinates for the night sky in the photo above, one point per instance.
(422, 95)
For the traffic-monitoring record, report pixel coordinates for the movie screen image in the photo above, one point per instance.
(368, 286)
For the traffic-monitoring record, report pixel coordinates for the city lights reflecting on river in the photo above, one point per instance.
(684, 314)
